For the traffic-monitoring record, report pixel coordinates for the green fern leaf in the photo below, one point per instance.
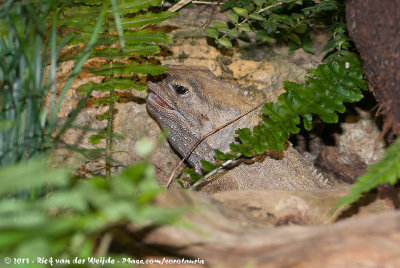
(133, 6)
(322, 94)
(207, 166)
(133, 67)
(223, 156)
(194, 176)
(96, 138)
(385, 171)
(147, 18)
(147, 36)
(115, 83)
(116, 53)
(131, 38)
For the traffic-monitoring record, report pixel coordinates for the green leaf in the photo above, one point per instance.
(295, 38)
(244, 135)
(227, 5)
(323, 94)
(224, 41)
(233, 17)
(220, 26)
(233, 33)
(96, 138)
(194, 176)
(102, 117)
(257, 16)
(307, 121)
(134, 37)
(30, 174)
(301, 28)
(7, 124)
(124, 68)
(181, 184)
(139, 87)
(223, 156)
(244, 27)
(307, 43)
(263, 36)
(146, 18)
(130, 49)
(207, 166)
(241, 12)
(106, 100)
(114, 83)
(118, 25)
(259, 3)
(212, 32)
(133, 6)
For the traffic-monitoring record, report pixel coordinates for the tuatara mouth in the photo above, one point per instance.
(154, 98)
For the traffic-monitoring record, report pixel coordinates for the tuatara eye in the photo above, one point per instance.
(179, 89)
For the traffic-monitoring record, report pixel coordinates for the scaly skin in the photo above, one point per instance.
(191, 101)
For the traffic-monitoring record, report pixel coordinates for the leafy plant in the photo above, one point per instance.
(269, 21)
(66, 219)
(323, 94)
(122, 39)
(28, 61)
(66, 222)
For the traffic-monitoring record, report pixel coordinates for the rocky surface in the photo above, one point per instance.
(258, 70)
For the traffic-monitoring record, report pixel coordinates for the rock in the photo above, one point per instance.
(270, 229)
(357, 146)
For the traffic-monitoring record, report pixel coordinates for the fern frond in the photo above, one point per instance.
(116, 49)
(117, 83)
(147, 36)
(322, 94)
(147, 18)
(133, 6)
(116, 53)
(385, 171)
(133, 67)
(135, 37)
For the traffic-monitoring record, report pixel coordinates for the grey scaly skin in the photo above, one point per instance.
(191, 101)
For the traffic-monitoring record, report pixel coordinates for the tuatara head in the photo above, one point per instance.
(191, 101)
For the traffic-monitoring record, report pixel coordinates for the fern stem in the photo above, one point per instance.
(109, 118)
(211, 173)
(109, 134)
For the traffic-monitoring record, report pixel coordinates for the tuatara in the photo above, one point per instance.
(190, 101)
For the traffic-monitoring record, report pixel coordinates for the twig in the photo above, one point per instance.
(206, 3)
(205, 177)
(268, 7)
(183, 3)
(104, 245)
(207, 135)
(179, 5)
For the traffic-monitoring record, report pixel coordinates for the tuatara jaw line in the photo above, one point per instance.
(155, 99)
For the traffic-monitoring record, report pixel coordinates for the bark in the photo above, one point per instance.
(374, 26)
